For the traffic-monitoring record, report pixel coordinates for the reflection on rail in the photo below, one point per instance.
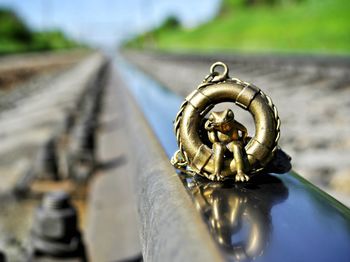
(272, 218)
(238, 215)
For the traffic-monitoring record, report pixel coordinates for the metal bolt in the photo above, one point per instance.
(56, 200)
(2, 256)
(55, 231)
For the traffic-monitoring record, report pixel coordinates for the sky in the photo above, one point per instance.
(106, 23)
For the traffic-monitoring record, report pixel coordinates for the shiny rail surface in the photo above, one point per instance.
(170, 229)
(311, 94)
(272, 218)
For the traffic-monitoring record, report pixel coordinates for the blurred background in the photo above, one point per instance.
(297, 26)
(53, 63)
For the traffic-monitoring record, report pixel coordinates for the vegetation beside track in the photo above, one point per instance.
(16, 37)
(299, 26)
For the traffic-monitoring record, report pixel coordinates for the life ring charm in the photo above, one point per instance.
(218, 147)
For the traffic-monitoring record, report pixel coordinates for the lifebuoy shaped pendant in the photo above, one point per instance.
(214, 144)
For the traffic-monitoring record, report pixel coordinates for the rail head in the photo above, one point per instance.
(271, 218)
(170, 228)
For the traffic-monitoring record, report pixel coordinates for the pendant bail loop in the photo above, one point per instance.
(217, 76)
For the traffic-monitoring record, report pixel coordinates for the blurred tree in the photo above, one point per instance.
(149, 39)
(15, 36)
(53, 39)
(172, 22)
(12, 27)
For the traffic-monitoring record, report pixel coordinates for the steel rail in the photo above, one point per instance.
(272, 218)
(170, 228)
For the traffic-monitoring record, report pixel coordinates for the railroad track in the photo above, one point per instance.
(15, 69)
(48, 143)
(132, 203)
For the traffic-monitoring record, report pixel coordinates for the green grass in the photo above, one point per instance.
(316, 26)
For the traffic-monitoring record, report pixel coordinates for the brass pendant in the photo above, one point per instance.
(214, 144)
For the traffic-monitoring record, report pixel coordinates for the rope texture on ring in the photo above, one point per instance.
(181, 165)
(176, 162)
(276, 118)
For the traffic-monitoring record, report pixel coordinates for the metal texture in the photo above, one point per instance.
(171, 230)
(55, 230)
(111, 229)
(248, 155)
(2, 257)
(287, 79)
(223, 133)
(269, 218)
(273, 218)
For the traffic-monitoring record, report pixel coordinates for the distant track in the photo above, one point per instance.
(18, 68)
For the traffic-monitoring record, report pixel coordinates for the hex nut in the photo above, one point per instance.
(55, 229)
(56, 224)
(56, 218)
